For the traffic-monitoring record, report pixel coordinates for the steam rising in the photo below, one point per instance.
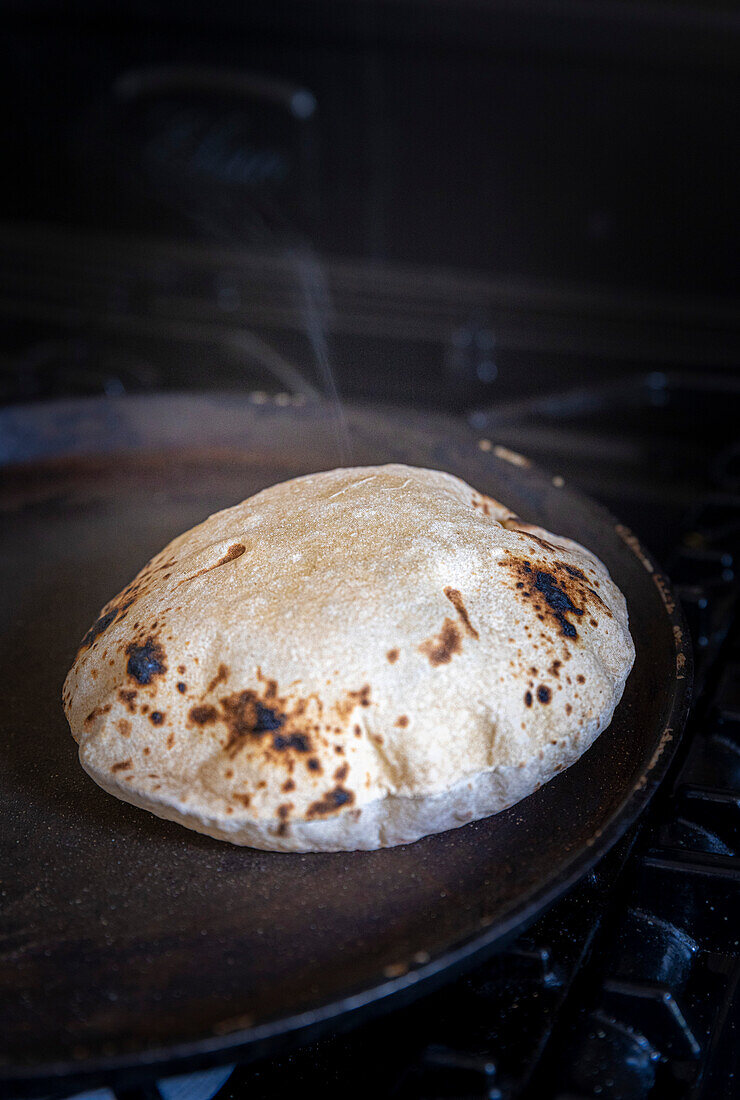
(314, 306)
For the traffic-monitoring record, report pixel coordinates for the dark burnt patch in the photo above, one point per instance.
(146, 661)
(392, 656)
(558, 601)
(288, 785)
(455, 598)
(248, 718)
(579, 575)
(156, 717)
(203, 715)
(544, 695)
(182, 687)
(98, 627)
(122, 766)
(554, 668)
(553, 600)
(267, 719)
(297, 741)
(280, 727)
(109, 615)
(528, 698)
(341, 773)
(331, 802)
(443, 646)
(402, 721)
(560, 592)
(580, 678)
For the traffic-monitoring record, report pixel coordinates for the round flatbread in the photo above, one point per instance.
(349, 660)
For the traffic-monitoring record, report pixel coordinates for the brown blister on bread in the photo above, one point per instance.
(235, 551)
(443, 646)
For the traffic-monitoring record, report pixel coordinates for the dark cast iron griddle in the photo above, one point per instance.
(130, 942)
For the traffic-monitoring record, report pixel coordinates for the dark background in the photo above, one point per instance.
(486, 199)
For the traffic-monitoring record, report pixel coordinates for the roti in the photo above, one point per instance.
(349, 660)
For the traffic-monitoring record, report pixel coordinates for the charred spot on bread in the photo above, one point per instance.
(146, 661)
(297, 741)
(331, 802)
(554, 590)
(101, 624)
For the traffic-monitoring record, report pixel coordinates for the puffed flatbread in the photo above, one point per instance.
(349, 660)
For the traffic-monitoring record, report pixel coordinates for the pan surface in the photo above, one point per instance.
(128, 941)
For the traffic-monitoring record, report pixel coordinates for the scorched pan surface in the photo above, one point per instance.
(129, 942)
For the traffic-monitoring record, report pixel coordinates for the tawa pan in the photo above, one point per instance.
(131, 946)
